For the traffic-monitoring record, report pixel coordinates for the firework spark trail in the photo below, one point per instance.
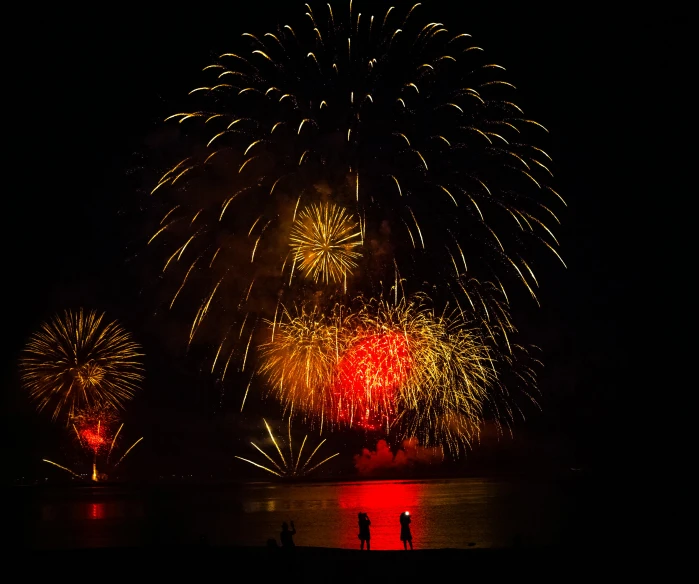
(127, 451)
(77, 361)
(61, 467)
(114, 442)
(288, 468)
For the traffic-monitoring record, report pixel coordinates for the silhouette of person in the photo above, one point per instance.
(405, 535)
(287, 535)
(364, 533)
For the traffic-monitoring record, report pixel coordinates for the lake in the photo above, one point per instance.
(448, 513)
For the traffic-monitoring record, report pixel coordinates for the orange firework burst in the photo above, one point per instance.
(300, 358)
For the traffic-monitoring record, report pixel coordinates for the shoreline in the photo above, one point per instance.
(227, 482)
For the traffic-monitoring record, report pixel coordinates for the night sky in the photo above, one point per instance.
(99, 84)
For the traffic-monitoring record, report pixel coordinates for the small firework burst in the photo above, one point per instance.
(294, 465)
(324, 241)
(93, 428)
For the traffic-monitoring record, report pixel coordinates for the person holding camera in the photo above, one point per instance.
(405, 535)
(287, 535)
(364, 533)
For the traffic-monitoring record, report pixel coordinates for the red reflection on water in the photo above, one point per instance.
(383, 501)
(96, 511)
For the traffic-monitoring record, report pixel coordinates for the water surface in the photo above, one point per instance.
(450, 513)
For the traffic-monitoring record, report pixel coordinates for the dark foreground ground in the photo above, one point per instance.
(307, 564)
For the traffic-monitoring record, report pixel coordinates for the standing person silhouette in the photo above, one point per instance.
(364, 533)
(405, 535)
(287, 536)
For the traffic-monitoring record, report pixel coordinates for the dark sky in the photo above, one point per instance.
(96, 85)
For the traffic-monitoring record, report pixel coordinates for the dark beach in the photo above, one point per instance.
(313, 564)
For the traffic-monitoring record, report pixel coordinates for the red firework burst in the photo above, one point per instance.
(94, 427)
(94, 438)
(368, 376)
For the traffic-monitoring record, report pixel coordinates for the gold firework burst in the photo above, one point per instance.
(77, 361)
(324, 239)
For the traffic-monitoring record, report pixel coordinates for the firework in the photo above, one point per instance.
(369, 374)
(78, 361)
(398, 366)
(453, 373)
(393, 120)
(93, 429)
(328, 158)
(322, 241)
(294, 465)
(299, 359)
